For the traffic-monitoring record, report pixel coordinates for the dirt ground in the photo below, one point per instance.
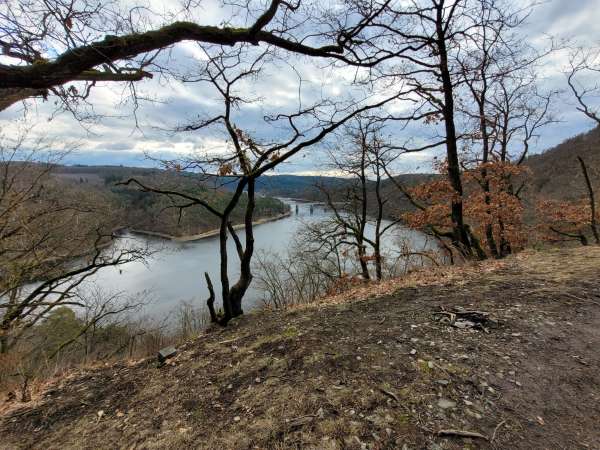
(378, 373)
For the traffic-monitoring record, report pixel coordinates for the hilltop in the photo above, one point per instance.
(369, 369)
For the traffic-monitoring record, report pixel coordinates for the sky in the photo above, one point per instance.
(124, 135)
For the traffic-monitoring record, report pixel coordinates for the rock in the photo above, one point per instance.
(166, 353)
(444, 403)
(236, 419)
(462, 323)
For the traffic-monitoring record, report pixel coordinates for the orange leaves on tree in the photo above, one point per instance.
(225, 169)
(488, 200)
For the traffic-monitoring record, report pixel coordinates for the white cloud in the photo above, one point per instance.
(278, 88)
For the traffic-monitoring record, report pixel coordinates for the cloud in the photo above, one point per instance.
(289, 82)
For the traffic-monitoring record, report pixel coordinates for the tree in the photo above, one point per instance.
(359, 201)
(245, 158)
(451, 53)
(417, 44)
(52, 238)
(561, 221)
(84, 42)
(456, 56)
(570, 220)
(586, 62)
(506, 110)
(592, 201)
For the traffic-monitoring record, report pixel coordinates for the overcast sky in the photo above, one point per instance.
(115, 139)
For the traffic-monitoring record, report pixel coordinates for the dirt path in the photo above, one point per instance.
(377, 374)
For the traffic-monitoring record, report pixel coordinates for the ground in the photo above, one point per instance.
(374, 373)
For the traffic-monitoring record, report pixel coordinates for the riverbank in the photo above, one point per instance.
(206, 234)
(374, 373)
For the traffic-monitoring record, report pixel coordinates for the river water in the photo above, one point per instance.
(175, 271)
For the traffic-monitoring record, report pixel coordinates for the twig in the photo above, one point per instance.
(496, 430)
(228, 341)
(461, 433)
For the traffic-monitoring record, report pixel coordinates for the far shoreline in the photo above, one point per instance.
(206, 234)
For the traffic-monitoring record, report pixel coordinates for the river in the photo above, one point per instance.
(175, 271)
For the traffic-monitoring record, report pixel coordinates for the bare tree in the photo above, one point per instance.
(360, 201)
(586, 62)
(427, 44)
(452, 53)
(507, 110)
(245, 159)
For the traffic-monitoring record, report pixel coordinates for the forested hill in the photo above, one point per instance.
(306, 187)
(557, 173)
(151, 212)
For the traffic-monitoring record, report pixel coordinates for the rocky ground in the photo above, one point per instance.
(501, 355)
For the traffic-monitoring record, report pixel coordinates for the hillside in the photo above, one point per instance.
(150, 212)
(557, 173)
(364, 373)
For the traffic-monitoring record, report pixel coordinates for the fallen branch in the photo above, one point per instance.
(496, 430)
(461, 433)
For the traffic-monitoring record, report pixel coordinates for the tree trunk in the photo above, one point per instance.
(593, 223)
(461, 236)
(238, 290)
(223, 268)
(210, 303)
(378, 220)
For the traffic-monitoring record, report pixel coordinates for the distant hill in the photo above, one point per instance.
(557, 173)
(305, 187)
(296, 186)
